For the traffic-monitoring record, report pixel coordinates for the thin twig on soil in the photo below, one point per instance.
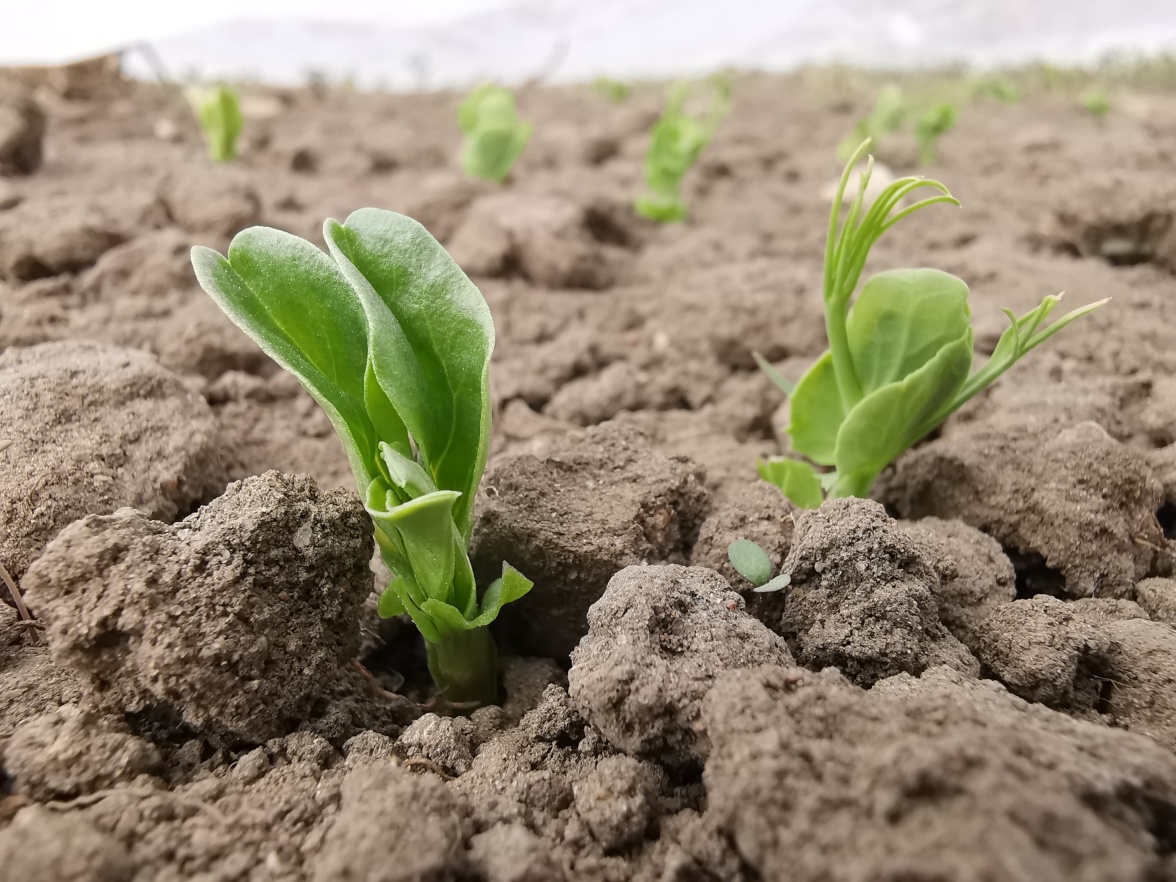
(374, 684)
(143, 793)
(425, 763)
(25, 617)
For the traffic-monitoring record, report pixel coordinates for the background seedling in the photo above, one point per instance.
(676, 142)
(495, 137)
(889, 114)
(930, 126)
(218, 110)
(1096, 102)
(900, 355)
(614, 90)
(393, 341)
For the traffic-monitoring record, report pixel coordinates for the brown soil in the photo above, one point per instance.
(980, 690)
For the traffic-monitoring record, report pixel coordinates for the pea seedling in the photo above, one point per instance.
(495, 137)
(899, 359)
(889, 113)
(393, 341)
(218, 110)
(930, 126)
(615, 91)
(676, 142)
(1096, 102)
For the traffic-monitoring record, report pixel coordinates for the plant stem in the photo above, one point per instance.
(843, 367)
(464, 666)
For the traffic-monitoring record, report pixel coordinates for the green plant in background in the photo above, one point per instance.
(930, 126)
(393, 341)
(614, 90)
(218, 110)
(677, 140)
(889, 113)
(495, 137)
(1002, 89)
(899, 359)
(1096, 102)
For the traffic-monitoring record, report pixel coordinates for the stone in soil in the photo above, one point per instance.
(862, 597)
(234, 619)
(94, 428)
(572, 517)
(657, 639)
(70, 752)
(392, 825)
(942, 778)
(1158, 599)
(1075, 509)
(52, 237)
(975, 576)
(550, 242)
(217, 201)
(51, 846)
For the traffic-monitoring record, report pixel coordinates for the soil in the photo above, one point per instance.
(971, 677)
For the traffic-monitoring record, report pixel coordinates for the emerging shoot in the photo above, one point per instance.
(393, 341)
(218, 110)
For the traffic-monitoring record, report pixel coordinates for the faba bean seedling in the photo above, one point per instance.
(495, 137)
(218, 110)
(393, 341)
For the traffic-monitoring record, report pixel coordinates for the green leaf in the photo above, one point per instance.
(495, 136)
(509, 587)
(750, 561)
(887, 421)
(426, 529)
(780, 582)
(296, 305)
(218, 110)
(797, 480)
(782, 382)
(816, 413)
(676, 142)
(900, 321)
(661, 208)
(431, 340)
(390, 605)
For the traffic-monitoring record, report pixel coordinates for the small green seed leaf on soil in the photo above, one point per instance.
(750, 561)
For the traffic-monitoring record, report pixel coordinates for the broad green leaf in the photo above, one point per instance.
(435, 369)
(750, 561)
(491, 153)
(885, 422)
(661, 208)
(901, 320)
(296, 305)
(795, 479)
(816, 413)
